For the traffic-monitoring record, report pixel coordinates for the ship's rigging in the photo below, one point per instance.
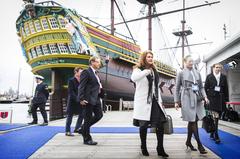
(152, 14)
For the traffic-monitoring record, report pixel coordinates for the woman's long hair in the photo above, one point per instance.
(142, 63)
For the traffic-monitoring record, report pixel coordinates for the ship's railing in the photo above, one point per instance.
(97, 25)
(165, 68)
(49, 3)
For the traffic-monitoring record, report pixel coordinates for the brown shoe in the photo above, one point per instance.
(69, 134)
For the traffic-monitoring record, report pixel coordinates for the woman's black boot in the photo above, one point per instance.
(143, 137)
(160, 149)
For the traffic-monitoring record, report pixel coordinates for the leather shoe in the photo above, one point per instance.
(32, 123)
(90, 142)
(79, 131)
(69, 134)
(43, 124)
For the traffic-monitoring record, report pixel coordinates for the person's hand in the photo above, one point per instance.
(162, 105)
(83, 102)
(206, 100)
(148, 71)
(176, 105)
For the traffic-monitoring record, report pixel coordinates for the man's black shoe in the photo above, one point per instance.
(79, 131)
(90, 142)
(43, 124)
(32, 123)
(69, 134)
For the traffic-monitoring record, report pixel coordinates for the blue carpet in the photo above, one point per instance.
(23, 143)
(229, 148)
(4, 127)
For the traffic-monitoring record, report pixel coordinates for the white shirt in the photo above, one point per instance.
(153, 84)
(94, 71)
(217, 76)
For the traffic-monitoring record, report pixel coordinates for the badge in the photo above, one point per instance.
(217, 89)
(195, 87)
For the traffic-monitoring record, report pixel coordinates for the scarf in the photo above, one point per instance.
(150, 85)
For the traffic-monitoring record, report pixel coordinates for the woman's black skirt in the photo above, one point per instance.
(157, 117)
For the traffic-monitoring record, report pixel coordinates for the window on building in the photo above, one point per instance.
(39, 50)
(27, 31)
(45, 24)
(72, 48)
(53, 48)
(63, 48)
(38, 25)
(29, 55)
(62, 22)
(45, 49)
(31, 26)
(53, 23)
(34, 53)
(23, 32)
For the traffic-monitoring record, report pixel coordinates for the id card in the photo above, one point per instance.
(217, 89)
(195, 87)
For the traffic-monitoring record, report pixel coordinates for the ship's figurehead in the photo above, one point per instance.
(79, 41)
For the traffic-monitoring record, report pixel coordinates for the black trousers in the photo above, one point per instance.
(41, 106)
(93, 113)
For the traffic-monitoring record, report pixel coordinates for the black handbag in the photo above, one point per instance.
(200, 96)
(168, 125)
(208, 122)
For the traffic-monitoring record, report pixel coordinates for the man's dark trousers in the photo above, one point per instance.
(42, 110)
(93, 113)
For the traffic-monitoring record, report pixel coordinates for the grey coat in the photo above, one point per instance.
(184, 94)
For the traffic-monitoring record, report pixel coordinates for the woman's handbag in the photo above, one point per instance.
(208, 123)
(168, 125)
(200, 96)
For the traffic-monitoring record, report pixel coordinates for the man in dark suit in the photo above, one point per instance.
(39, 101)
(89, 93)
(216, 88)
(73, 106)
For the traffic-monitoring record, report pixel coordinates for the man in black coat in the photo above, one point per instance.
(89, 93)
(216, 88)
(73, 105)
(39, 101)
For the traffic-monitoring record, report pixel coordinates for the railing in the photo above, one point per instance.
(97, 25)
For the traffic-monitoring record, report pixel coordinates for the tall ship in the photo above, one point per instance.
(55, 39)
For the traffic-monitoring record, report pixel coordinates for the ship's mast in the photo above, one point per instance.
(183, 34)
(149, 25)
(112, 17)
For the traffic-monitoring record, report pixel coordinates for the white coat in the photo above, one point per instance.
(142, 110)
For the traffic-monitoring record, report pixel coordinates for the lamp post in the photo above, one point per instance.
(19, 78)
(106, 82)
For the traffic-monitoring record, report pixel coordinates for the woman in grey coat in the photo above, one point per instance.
(190, 95)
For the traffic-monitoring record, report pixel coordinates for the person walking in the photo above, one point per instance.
(73, 106)
(190, 95)
(39, 101)
(148, 108)
(216, 88)
(89, 94)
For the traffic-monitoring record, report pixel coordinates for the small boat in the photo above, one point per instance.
(21, 100)
(5, 100)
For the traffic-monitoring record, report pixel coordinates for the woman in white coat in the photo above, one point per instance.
(148, 108)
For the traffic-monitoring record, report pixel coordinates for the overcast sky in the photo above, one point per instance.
(206, 23)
